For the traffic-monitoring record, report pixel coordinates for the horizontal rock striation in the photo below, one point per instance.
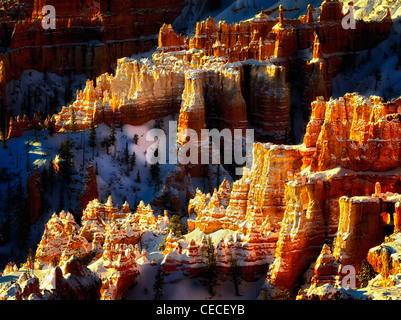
(88, 37)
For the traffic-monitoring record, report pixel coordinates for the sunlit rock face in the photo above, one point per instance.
(363, 224)
(225, 76)
(202, 90)
(354, 132)
(255, 204)
(106, 241)
(331, 199)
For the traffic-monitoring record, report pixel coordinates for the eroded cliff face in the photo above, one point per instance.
(245, 69)
(120, 29)
(282, 42)
(292, 210)
(331, 197)
(205, 92)
(354, 132)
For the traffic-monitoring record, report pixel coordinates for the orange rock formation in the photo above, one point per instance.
(120, 29)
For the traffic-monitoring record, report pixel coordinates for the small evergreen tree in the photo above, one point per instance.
(158, 285)
(136, 138)
(159, 124)
(92, 137)
(50, 128)
(106, 143)
(27, 148)
(66, 159)
(378, 77)
(177, 226)
(35, 127)
(155, 176)
(138, 177)
(31, 255)
(235, 273)
(55, 261)
(126, 153)
(133, 161)
(283, 294)
(113, 135)
(210, 272)
(365, 274)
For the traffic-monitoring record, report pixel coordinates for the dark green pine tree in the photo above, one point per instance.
(106, 143)
(126, 153)
(92, 137)
(138, 177)
(378, 76)
(113, 135)
(132, 161)
(235, 273)
(66, 159)
(158, 285)
(127, 159)
(155, 176)
(155, 172)
(210, 272)
(365, 274)
(31, 255)
(177, 226)
(136, 138)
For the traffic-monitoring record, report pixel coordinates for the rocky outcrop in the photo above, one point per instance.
(255, 204)
(205, 93)
(249, 253)
(360, 228)
(119, 29)
(72, 281)
(122, 271)
(258, 92)
(106, 222)
(106, 242)
(61, 232)
(267, 39)
(178, 186)
(169, 40)
(258, 196)
(301, 234)
(349, 131)
(18, 126)
(339, 197)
